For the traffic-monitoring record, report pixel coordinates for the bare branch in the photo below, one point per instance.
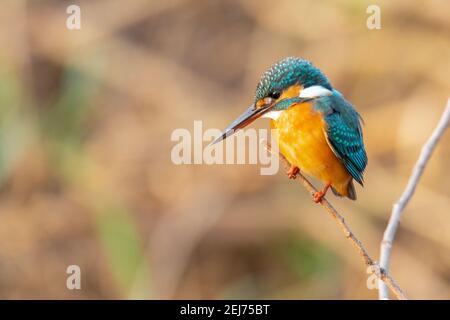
(368, 261)
(399, 206)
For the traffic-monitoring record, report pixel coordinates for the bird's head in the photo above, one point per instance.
(288, 82)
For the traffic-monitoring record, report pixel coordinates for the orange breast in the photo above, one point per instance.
(301, 139)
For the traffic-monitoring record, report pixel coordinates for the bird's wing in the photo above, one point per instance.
(344, 133)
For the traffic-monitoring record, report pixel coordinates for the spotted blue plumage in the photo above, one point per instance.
(344, 133)
(288, 72)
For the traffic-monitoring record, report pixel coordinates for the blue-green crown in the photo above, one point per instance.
(288, 72)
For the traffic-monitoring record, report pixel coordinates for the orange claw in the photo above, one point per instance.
(318, 196)
(292, 172)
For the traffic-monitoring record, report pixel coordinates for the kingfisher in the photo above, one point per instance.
(316, 129)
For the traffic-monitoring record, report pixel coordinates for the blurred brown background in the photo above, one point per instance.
(85, 170)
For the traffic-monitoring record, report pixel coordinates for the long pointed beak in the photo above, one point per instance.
(250, 115)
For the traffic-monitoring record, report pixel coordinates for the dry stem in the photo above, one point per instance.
(368, 261)
(399, 206)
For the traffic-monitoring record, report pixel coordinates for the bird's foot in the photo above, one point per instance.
(292, 172)
(318, 195)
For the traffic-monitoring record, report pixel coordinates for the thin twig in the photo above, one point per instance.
(368, 261)
(399, 206)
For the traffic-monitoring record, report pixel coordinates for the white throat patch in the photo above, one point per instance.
(274, 114)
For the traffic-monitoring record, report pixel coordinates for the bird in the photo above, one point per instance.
(316, 129)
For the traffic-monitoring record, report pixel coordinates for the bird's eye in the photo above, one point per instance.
(274, 95)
